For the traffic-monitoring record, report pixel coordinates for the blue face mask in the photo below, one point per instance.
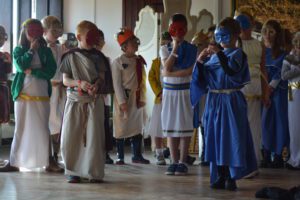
(244, 22)
(222, 35)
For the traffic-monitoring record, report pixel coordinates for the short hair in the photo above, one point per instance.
(178, 18)
(51, 22)
(231, 25)
(85, 26)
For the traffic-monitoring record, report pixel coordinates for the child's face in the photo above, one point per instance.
(82, 40)
(52, 35)
(3, 39)
(132, 46)
(269, 35)
(177, 30)
(34, 31)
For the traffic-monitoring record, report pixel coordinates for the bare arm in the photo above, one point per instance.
(169, 62)
(179, 73)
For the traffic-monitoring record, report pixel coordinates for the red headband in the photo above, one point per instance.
(177, 29)
(35, 30)
(93, 37)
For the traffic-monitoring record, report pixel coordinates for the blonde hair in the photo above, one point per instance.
(51, 22)
(85, 26)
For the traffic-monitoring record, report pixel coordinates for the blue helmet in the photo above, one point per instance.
(244, 22)
(222, 35)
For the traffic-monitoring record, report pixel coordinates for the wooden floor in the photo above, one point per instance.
(135, 181)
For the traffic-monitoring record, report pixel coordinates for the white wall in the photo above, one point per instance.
(106, 14)
(219, 8)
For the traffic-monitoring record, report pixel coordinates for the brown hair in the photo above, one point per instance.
(85, 26)
(23, 41)
(278, 43)
(232, 25)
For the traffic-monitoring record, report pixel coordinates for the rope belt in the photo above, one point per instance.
(253, 97)
(225, 91)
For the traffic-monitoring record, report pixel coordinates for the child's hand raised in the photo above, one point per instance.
(35, 44)
(203, 55)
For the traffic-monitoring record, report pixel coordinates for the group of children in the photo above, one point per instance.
(62, 97)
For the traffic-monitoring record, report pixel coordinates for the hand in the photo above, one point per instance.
(213, 48)
(124, 107)
(27, 71)
(165, 72)
(141, 104)
(93, 89)
(7, 57)
(203, 55)
(84, 85)
(35, 44)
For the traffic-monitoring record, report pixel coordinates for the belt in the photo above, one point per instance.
(292, 86)
(253, 97)
(26, 97)
(180, 86)
(225, 91)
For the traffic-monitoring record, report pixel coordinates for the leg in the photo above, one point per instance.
(159, 151)
(53, 151)
(266, 162)
(230, 183)
(120, 151)
(108, 135)
(136, 147)
(173, 145)
(220, 182)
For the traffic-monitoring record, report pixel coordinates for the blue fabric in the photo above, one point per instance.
(275, 129)
(187, 55)
(227, 133)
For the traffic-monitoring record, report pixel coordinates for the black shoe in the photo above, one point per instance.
(278, 162)
(190, 160)
(290, 167)
(140, 160)
(219, 184)
(230, 184)
(266, 161)
(166, 153)
(108, 160)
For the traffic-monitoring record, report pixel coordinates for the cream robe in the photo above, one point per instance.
(125, 86)
(83, 138)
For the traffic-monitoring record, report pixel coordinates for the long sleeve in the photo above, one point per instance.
(22, 59)
(231, 65)
(154, 78)
(117, 82)
(49, 66)
(288, 71)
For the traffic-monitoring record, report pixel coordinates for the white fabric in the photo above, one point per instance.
(30, 146)
(253, 50)
(58, 97)
(294, 127)
(177, 112)
(155, 129)
(124, 77)
(57, 104)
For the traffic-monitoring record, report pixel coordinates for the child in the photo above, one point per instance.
(130, 85)
(291, 71)
(254, 91)
(52, 31)
(178, 59)
(275, 130)
(228, 137)
(5, 69)
(31, 90)
(107, 104)
(83, 138)
(155, 80)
